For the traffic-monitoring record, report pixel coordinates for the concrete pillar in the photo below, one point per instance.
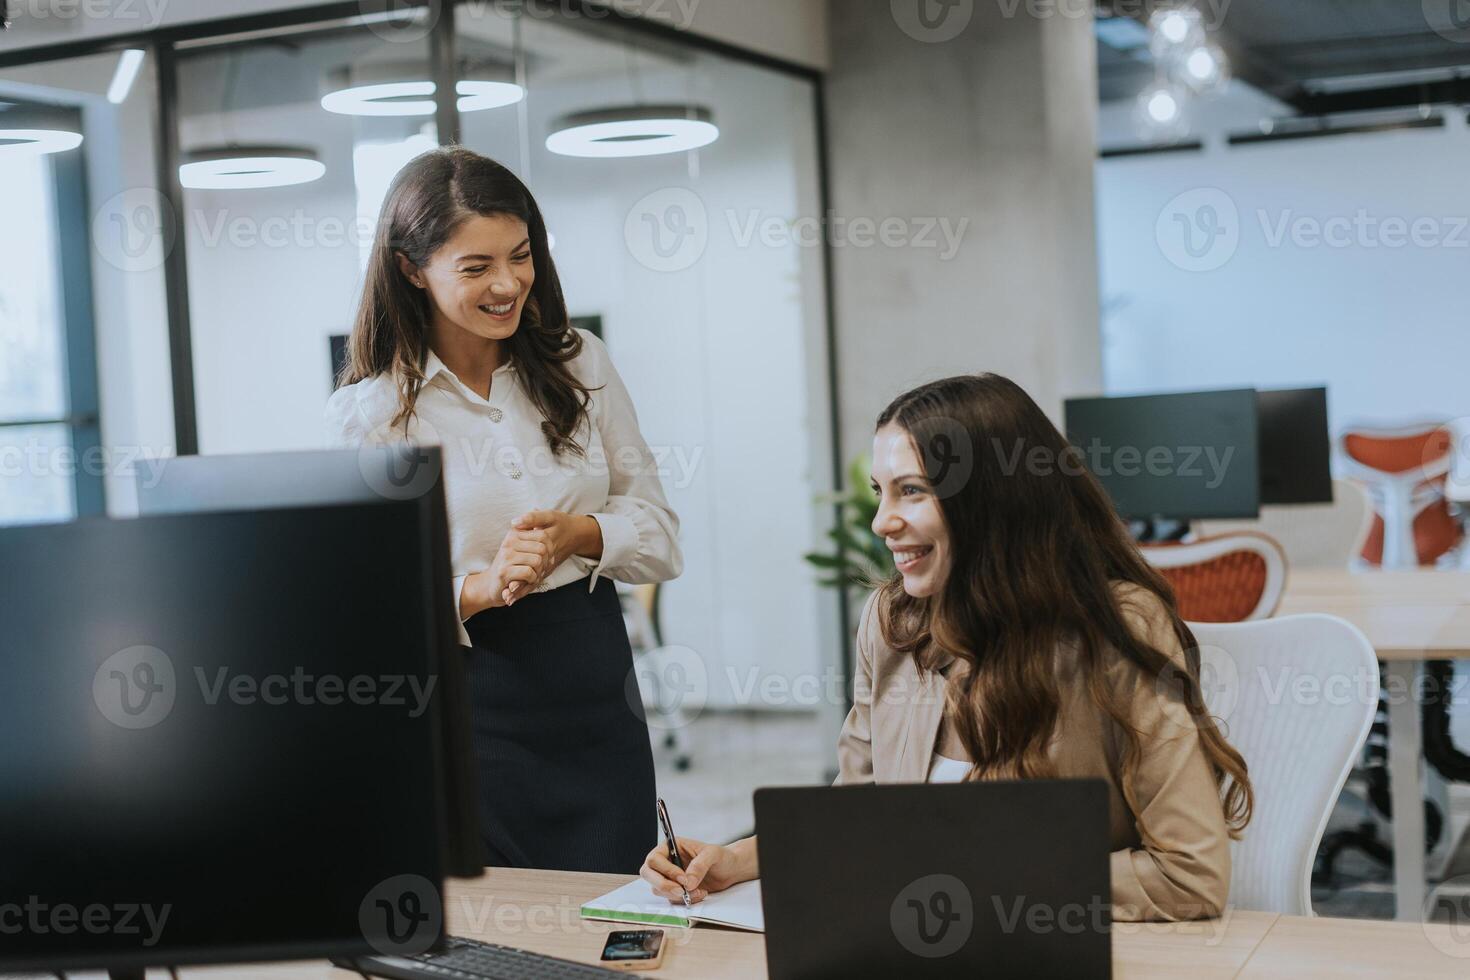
(972, 122)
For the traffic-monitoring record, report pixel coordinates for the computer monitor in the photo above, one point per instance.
(225, 737)
(370, 474)
(1295, 446)
(1177, 456)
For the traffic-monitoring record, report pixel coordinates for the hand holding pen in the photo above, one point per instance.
(695, 868)
(673, 843)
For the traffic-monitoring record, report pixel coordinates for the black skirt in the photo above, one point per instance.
(565, 766)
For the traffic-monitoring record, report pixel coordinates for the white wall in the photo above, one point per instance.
(1384, 325)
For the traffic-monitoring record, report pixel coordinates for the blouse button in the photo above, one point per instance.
(496, 415)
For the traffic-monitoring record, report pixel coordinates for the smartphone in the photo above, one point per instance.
(634, 949)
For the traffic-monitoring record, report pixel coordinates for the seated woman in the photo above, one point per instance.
(1023, 638)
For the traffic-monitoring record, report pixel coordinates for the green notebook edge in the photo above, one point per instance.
(644, 918)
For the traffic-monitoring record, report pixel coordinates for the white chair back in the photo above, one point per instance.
(1457, 488)
(1295, 696)
(1312, 535)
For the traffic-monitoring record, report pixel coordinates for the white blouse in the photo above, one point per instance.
(498, 466)
(943, 769)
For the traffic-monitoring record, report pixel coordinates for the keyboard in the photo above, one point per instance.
(466, 959)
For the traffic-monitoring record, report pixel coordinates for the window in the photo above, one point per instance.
(49, 463)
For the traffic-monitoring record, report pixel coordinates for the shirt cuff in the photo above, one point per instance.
(464, 636)
(619, 544)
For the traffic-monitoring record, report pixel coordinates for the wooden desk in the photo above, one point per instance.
(1408, 616)
(538, 910)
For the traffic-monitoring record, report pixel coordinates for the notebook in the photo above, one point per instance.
(738, 906)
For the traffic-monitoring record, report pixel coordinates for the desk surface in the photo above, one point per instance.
(1408, 615)
(538, 910)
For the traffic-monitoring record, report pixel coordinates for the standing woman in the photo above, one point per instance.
(462, 339)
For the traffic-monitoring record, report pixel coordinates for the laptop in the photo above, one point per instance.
(991, 879)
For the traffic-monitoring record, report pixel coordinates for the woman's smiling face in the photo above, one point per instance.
(909, 519)
(480, 278)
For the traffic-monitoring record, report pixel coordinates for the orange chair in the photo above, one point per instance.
(1405, 470)
(1227, 578)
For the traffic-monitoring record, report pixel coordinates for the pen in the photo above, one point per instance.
(668, 827)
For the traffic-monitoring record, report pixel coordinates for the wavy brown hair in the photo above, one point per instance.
(426, 203)
(1039, 555)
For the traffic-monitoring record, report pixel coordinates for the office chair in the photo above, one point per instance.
(1405, 470)
(640, 605)
(1299, 750)
(1457, 482)
(1223, 579)
(1312, 535)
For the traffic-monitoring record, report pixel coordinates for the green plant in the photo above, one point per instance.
(861, 559)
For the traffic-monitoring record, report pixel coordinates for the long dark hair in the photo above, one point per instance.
(1039, 555)
(428, 200)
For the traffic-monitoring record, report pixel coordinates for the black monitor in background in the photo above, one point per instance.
(1296, 447)
(1176, 456)
(368, 475)
(225, 738)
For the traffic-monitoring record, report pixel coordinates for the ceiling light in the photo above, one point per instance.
(416, 98)
(34, 142)
(241, 167)
(1175, 26)
(1162, 106)
(1160, 113)
(1205, 67)
(124, 76)
(633, 131)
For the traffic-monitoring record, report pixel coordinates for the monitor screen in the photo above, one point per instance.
(1296, 448)
(222, 734)
(1178, 456)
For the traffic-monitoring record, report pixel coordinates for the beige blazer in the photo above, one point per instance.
(1171, 856)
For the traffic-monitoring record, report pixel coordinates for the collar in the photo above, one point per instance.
(433, 367)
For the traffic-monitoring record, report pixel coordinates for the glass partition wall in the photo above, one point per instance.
(84, 392)
(683, 233)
